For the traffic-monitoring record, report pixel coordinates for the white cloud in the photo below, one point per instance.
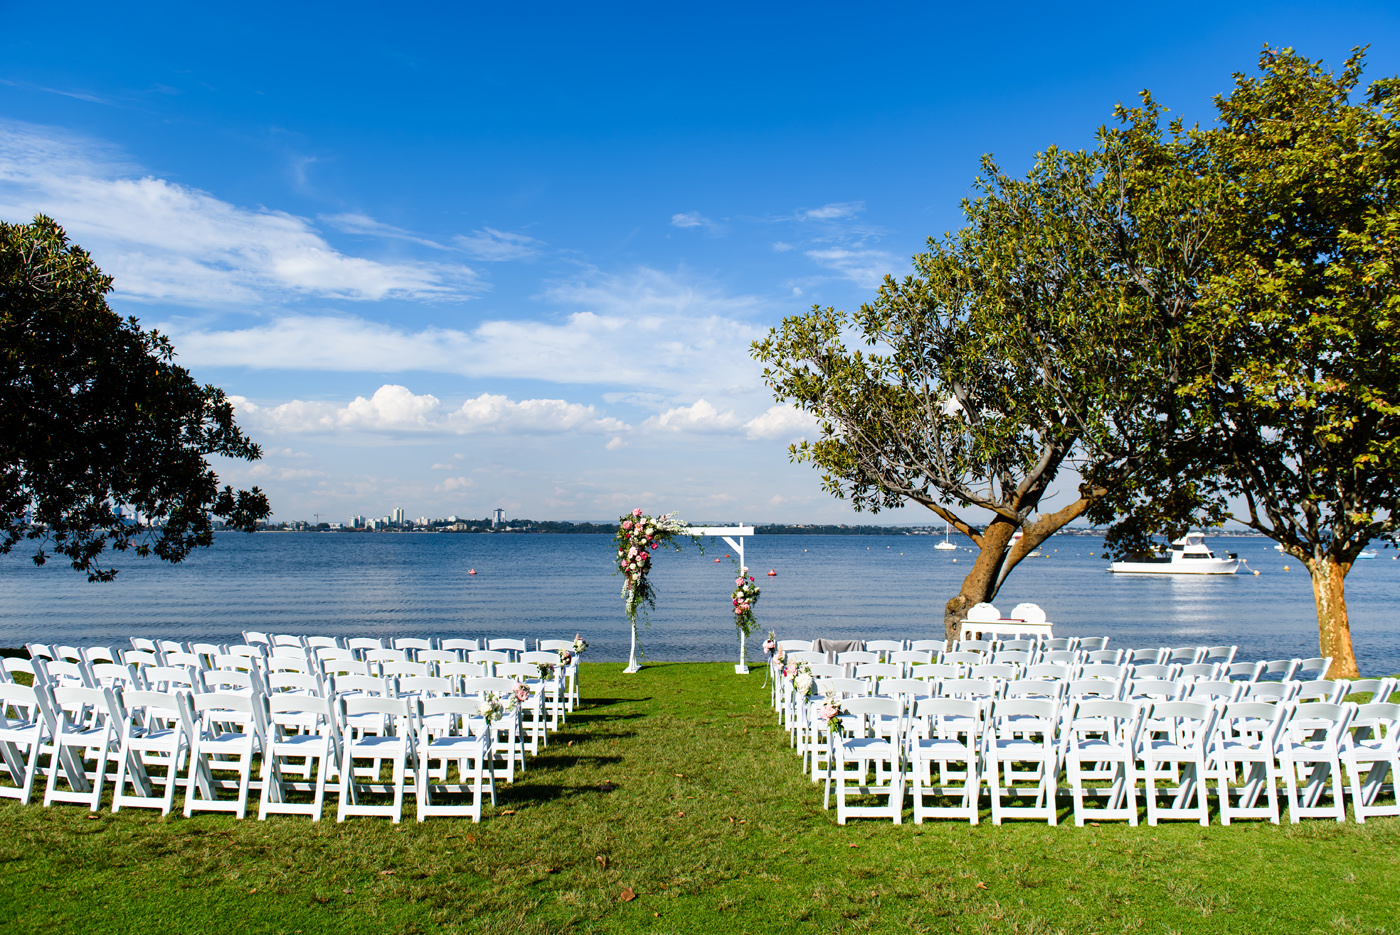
(866, 268)
(395, 409)
(782, 422)
(835, 211)
(701, 416)
(646, 330)
(163, 241)
(455, 483)
(355, 223)
(691, 219)
(495, 246)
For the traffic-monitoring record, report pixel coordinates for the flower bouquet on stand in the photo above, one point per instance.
(745, 595)
(638, 535)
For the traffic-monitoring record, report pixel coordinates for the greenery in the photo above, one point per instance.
(99, 430)
(1293, 346)
(671, 802)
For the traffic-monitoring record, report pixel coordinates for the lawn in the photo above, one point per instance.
(671, 802)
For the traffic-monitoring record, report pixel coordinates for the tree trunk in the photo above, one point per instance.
(1333, 627)
(981, 584)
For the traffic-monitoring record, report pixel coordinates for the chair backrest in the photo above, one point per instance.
(181, 658)
(1112, 657)
(355, 705)
(1246, 720)
(290, 709)
(808, 657)
(929, 646)
(1192, 721)
(253, 637)
(856, 656)
(61, 671)
(1108, 689)
(226, 709)
(1225, 655)
(791, 646)
(516, 670)
(1068, 657)
(1153, 671)
(1378, 722)
(501, 688)
(943, 706)
(1091, 644)
(507, 644)
(935, 670)
(436, 657)
(1033, 688)
(1315, 668)
(1047, 670)
(287, 639)
(1017, 646)
(168, 678)
(1011, 657)
(140, 658)
(492, 656)
(393, 670)
(961, 658)
(908, 657)
(992, 670)
(287, 664)
(362, 685)
(1084, 711)
(983, 612)
(1320, 722)
(257, 651)
(1266, 692)
(969, 688)
(457, 670)
(873, 706)
(460, 645)
(1279, 670)
(537, 657)
(359, 645)
(1201, 670)
(1152, 689)
(884, 646)
(1147, 656)
(78, 708)
(1185, 654)
(228, 680)
(905, 688)
(1320, 690)
(413, 644)
(377, 656)
(1211, 690)
(289, 651)
(424, 685)
(1030, 613)
(1244, 671)
(826, 670)
(67, 653)
(843, 687)
(1025, 716)
(973, 646)
(287, 681)
(459, 708)
(98, 654)
(141, 644)
(1380, 690)
(114, 675)
(877, 670)
(315, 643)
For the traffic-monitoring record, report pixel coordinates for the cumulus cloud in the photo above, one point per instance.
(786, 422)
(701, 416)
(395, 409)
(865, 267)
(163, 241)
(835, 211)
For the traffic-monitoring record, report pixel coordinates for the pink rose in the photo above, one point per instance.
(828, 712)
(637, 511)
(522, 694)
(626, 524)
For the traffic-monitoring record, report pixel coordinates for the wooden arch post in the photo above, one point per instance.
(734, 536)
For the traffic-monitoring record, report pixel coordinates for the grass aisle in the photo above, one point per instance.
(672, 803)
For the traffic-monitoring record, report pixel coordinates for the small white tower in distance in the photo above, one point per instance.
(499, 518)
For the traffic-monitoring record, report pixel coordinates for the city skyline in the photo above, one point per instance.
(517, 257)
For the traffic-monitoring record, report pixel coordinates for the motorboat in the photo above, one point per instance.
(1367, 553)
(1015, 538)
(1189, 556)
(945, 545)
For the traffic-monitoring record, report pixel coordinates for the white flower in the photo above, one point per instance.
(803, 683)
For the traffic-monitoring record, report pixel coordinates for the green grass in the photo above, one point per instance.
(677, 785)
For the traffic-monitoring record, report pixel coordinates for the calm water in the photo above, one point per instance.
(544, 585)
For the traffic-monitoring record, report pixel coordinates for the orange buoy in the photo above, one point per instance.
(716, 559)
(772, 573)
(471, 571)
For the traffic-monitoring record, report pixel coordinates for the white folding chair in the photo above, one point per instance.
(23, 730)
(83, 725)
(1311, 739)
(884, 648)
(228, 734)
(1022, 731)
(946, 731)
(1100, 744)
(1242, 758)
(1375, 743)
(300, 727)
(858, 751)
(507, 733)
(507, 645)
(457, 744)
(1175, 739)
(393, 743)
(156, 729)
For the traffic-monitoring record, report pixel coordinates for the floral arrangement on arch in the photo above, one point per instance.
(746, 592)
(638, 535)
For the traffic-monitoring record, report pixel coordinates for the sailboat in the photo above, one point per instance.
(945, 545)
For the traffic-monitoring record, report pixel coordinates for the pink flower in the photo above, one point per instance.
(626, 524)
(522, 694)
(637, 511)
(828, 712)
(737, 611)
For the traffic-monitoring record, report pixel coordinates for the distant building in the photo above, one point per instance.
(398, 516)
(498, 518)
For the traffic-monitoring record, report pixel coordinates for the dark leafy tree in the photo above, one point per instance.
(98, 426)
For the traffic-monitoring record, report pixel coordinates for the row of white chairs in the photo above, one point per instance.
(318, 656)
(225, 719)
(943, 751)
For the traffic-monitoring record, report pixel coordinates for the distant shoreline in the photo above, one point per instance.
(525, 527)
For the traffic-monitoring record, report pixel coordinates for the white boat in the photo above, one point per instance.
(1015, 538)
(1189, 556)
(1367, 553)
(945, 545)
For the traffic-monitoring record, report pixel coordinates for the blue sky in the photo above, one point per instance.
(467, 256)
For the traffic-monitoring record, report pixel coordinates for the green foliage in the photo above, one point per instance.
(96, 419)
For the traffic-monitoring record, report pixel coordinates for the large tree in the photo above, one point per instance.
(103, 439)
(1294, 383)
(1035, 339)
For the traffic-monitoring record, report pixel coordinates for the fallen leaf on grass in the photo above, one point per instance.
(509, 811)
(569, 744)
(853, 845)
(602, 861)
(981, 885)
(347, 890)
(678, 775)
(386, 873)
(627, 895)
(94, 818)
(471, 839)
(252, 891)
(551, 870)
